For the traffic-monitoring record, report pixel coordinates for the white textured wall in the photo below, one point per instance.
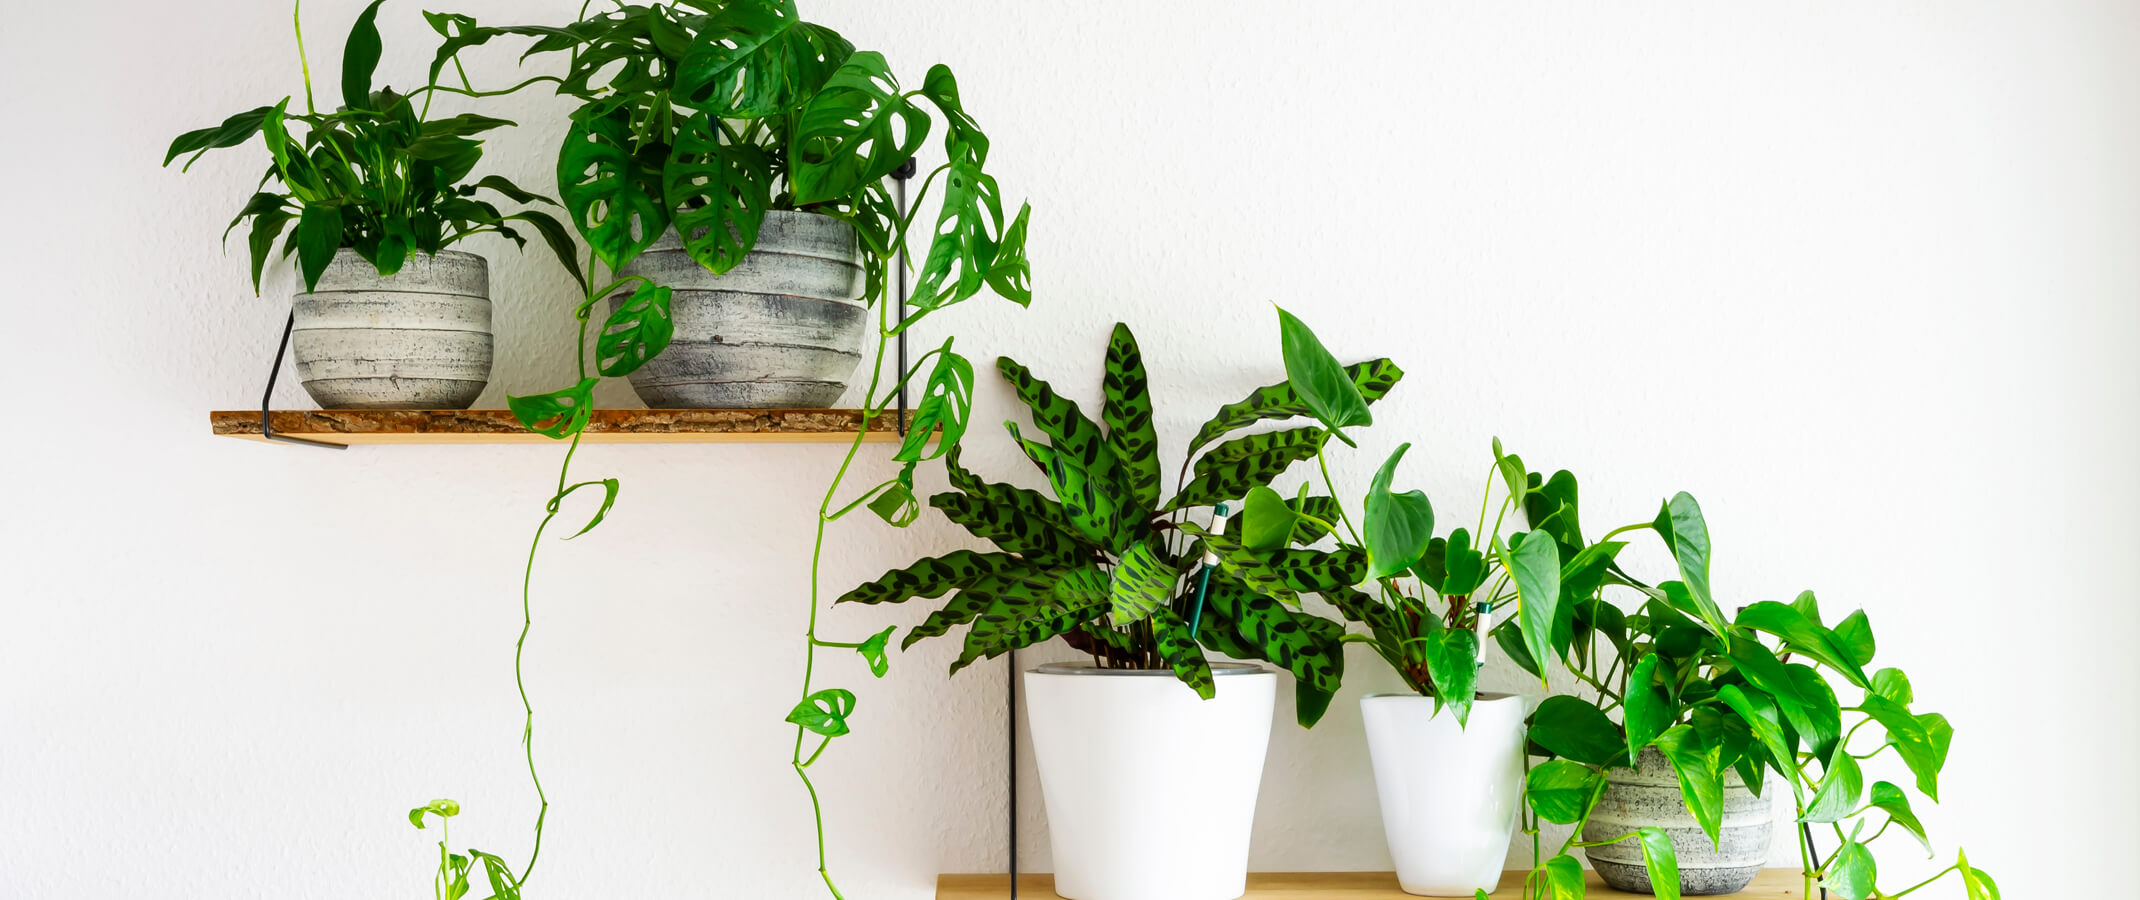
(1861, 276)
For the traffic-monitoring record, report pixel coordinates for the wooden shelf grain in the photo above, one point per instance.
(1771, 884)
(608, 426)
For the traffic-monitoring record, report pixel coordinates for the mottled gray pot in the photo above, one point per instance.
(1649, 795)
(418, 339)
(781, 330)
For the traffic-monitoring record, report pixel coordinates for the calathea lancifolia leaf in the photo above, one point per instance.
(1244, 566)
(1181, 652)
(558, 414)
(856, 130)
(1020, 588)
(1088, 498)
(1013, 621)
(636, 331)
(1398, 526)
(1373, 378)
(1143, 581)
(1059, 418)
(1018, 501)
(946, 405)
(1307, 646)
(1010, 529)
(612, 201)
(1229, 470)
(1127, 413)
(824, 712)
(1318, 571)
(932, 577)
(1319, 380)
(716, 193)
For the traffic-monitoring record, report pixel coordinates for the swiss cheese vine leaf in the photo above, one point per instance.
(610, 196)
(824, 712)
(856, 130)
(636, 331)
(559, 414)
(716, 193)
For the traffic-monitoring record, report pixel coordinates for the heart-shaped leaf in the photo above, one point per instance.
(1681, 523)
(1398, 526)
(1894, 685)
(1321, 383)
(1850, 872)
(1571, 727)
(824, 712)
(716, 193)
(1649, 712)
(1266, 520)
(1564, 878)
(1891, 800)
(558, 414)
(636, 331)
(1977, 881)
(1453, 663)
(1840, 787)
(855, 131)
(1535, 567)
(1562, 792)
(613, 199)
(1662, 861)
(1701, 780)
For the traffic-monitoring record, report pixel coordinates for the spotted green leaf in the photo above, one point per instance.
(1307, 646)
(1087, 498)
(1181, 652)
(1143, 582)
(824, 712)
(1059, 417)
(1230, 470)
(1008, 528)
(933, 577)
(558, 414)
(1015, 620)
(1127, 413)
(1373, 378)
(1015, 588)
(856, 130)
(1246, 567)
(1318, 571)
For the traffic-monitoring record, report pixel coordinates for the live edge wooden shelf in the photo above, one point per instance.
(607, 426)
(1771, 884)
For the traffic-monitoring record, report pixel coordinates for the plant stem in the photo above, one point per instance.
(297, 24)
(1324, 464)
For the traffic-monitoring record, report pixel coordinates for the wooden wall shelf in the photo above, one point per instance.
(608, 426)
(1771, 884)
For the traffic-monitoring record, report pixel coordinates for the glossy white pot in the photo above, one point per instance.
(1449, 795)
(1150, 789)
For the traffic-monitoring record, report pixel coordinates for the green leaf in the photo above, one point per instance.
(757, 58)
(503, 886)
(1267, 521)
(1922, 740)
(612, 199)
(1071, 433)
(1891, 800)
(1142, 582)
(968, 230)
(872, 651)
(1513, 474)
(1015, 519)
(1688, 533)
(1181, 652)
(1807, 637)
(360, 58)
(1309, 647)
(946, 404)
(893, 501)
(1017, 608)
(1231, 469)
(1087, 497)
(1127, 413)
(1854, 634)
(558, 414)
(442, 808)
(1318, 571)
(1842, 783)
(824, 712)
(1244, 566)
(318, 235)
(636, 331)
(933, 577)
(1701, 780)
(853, 132)
(1010, 274)
(1510, 638)
(1571, 727)
(715, 193)
(1759, 713)
(1453, 663)
(234, 131)
(1805, 701)
(561, 246)
(1535, 567)
(1893, 685)
(267, 226)
(1977, 881)
(1649, 712)
(1564, 878)
(1662, 861)
(1850, 872)
(1398, 526)
(609, 499)
(1552, 509)
(1373, 379)
(1563, 792)
(962, 137)
(1318, 379)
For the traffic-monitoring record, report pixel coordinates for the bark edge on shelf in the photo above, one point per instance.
(617, 426)
(1771, 884)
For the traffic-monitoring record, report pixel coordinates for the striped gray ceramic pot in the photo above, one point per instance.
(781, 330)
(1649, 795)
(417, 339)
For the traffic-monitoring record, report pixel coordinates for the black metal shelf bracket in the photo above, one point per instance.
(267, 397)
(900, 175)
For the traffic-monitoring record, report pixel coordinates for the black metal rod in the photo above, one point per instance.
(1807, 830)
(899, 178)
(1010, 714)
(267, 397)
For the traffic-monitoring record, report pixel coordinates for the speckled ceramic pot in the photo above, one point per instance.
(781, 330)
(417, 339)
(1649, 795)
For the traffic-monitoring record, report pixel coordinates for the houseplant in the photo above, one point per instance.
(372, 196)
(747, 159)
(1106, 564)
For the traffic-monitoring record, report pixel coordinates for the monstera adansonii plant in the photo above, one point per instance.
(1111, 566)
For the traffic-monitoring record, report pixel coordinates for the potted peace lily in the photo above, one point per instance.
(1115, 567)
(748, 160)
(373, 195)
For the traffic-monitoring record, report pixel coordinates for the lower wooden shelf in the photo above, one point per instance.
(1771, 884)
(607, 426)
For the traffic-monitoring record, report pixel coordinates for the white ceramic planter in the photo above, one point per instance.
(1648, 794)
(1150, 790)
(1449, 795)
(417, 339)
(781, 330)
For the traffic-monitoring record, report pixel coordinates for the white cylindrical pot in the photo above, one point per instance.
(781, 330)
(417, 339)
(1649, 794)
(1150, 789)
(1449, 795)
